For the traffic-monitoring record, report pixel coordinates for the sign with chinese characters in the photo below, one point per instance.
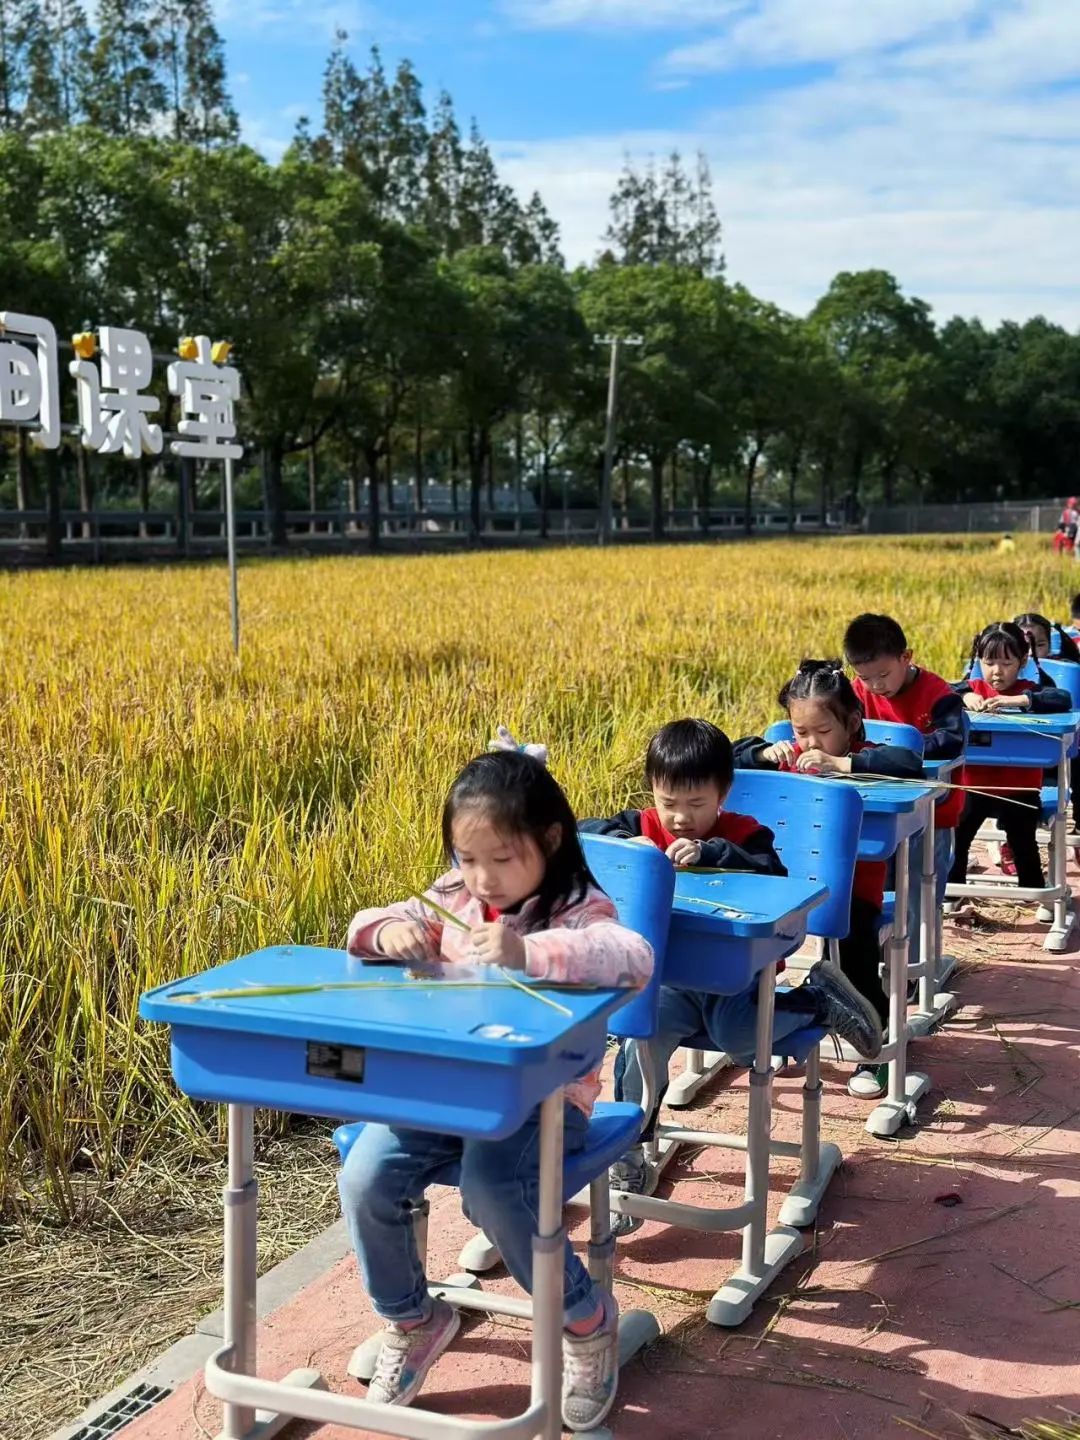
(111, 372)
(29, 387)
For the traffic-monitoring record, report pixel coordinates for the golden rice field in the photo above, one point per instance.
(163, 808)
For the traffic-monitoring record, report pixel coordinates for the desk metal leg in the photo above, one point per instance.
(904, 1090)
(700, 1068)
(764, 1254)
(547, 1298)
(933, 1005)
(241, 1422)
(1063, 918)
(818, 1162)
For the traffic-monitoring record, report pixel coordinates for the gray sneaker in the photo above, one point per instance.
(843, 1011)
(591, 1371)
(406, 1356)
(630, 1175)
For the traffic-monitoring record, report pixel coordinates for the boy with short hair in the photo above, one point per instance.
(891, 687)
(1073, 627)
(690, 766)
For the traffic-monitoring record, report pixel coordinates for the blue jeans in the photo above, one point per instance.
(944, 846)
(728, 1021)
(389, 1168)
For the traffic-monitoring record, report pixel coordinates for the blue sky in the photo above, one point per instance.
(937, 138)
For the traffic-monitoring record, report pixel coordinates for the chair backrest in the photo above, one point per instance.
(879, 732)
(816, 823)
(640, 881)
(1066, 675)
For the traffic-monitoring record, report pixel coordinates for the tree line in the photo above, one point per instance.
(400, 313)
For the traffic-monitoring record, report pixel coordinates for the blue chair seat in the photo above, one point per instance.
(796, 1046)
(1049, 799)
(613, 1128)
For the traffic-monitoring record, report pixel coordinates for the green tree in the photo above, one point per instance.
(191, 71)
(125, 92)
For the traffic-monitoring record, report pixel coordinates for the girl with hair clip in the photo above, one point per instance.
(1002, 650)
(524, 899)
(827, 721)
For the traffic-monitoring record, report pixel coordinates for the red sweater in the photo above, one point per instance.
(914, 705)
(728, 826)
(869, 880)
(993, 777)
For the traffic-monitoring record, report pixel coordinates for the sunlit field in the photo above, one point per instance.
(164, 808)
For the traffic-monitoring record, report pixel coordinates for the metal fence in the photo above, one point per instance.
(101, 534)
(1031, 516)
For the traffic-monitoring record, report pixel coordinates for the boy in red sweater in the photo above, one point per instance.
(890, 687)
(690, 766)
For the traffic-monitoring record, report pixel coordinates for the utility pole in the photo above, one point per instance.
(616, 342)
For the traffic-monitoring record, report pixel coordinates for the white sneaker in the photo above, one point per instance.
(1044, 914)
(869, 1082)
(591, 1371)
(406, 1356)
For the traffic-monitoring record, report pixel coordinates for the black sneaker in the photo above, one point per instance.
(843, 1011)
(632, 1177)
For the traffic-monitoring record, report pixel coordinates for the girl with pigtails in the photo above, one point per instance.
(829, 739)
(1010, 796)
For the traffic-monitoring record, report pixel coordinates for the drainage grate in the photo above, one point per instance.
(120, 1412)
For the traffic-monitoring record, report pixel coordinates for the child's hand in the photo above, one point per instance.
(782, 753)
(823, 764)
(974, 702)
(683, 852)
(995, 703)
(406, 940)
(496, 944)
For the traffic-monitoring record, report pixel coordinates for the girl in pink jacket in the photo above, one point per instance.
(521, 884)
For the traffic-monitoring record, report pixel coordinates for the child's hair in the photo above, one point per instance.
(825, 681)
(1074, 607)
(1004, 636)
(520, 797)
(1069, 652)
(869, 637)
(690, 752)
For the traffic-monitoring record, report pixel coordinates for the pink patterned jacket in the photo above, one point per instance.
(585, 945)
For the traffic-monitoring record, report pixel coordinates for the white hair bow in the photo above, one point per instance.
(505, 741)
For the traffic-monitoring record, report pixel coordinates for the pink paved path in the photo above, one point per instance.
(861, 1335)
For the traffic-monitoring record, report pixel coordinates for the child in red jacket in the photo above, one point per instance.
(1010, 796)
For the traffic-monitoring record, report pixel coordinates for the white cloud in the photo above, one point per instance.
(785, 32)
(939, 145)
(640, 14)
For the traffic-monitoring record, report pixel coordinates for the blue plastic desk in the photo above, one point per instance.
(1025, 741)
(467, 1062)
(726, 929)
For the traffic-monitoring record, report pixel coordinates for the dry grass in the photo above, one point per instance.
(83, 1306)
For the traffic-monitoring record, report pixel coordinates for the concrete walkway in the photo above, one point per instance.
(943, 1279)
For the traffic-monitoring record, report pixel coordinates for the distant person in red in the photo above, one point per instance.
(1065, 538)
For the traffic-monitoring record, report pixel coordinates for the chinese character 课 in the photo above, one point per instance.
(111, 422)
(207, 394)
(29, 385)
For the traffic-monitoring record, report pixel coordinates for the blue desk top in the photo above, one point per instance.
(434, 1056)
(1066, 723)
(726, 929)
(736, 907)
(943, 769)
(432, 1017)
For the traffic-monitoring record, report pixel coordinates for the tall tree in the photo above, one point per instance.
(191, 72)
(667, 218)
(61, 92)
(19, 25)
(125, 92)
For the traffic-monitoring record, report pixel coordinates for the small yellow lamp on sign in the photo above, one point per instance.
(84, 344)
